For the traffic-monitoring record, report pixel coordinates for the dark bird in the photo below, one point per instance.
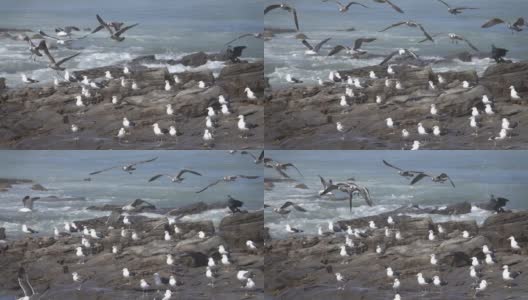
(498, 53)
(455, 38)
(411, 24)
(56, 65)
(356, 50)
(314, 50)
(440, 178)
(35, 50)
(396, 8)
(138, 205)
(234, 53)
(256, 160)
(494, 204)
(233, 204)
(115, 34)
(400, 52)
(114, 25)
(227, 179)
(455, 10)
(256, 35)
(516, 26)
(280, 167)
(344, 8)
(283, 209)
(28, 203)
(178, 178)
(350, 188)
(129, 168)
(285, 7)
(325, 184)
(65, 31)
(401, 172)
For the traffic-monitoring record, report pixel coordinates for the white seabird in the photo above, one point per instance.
(421, 129)
(173, 131)
(74, 128)
(372, 75)
(507, 275)
(436, 130)
(115, 100)
(489, 111)
(225, 110)
(465, 84)
(349, 92)
(222, 100)
(432, 85)
(28, 80)
(513, 93)
(431, 236)
(485, 100)
(398, 85)
(134, 85)
(372, 225)
(405, 133)
(433, 110)
(249, 93)
(389, 123)
(251, 245)
(513, 243)
(474, 261)
(78, 101)
(201, 84)
(433, 260)
(416, 145)
(169, 110)
(441, 79)
(207, 136)
(108, 75)
(168, 87)
(378, 99)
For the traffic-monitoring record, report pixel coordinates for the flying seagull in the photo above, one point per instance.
(66, 31)
(280, 167)
(138, 204)
(344, 8)
(498, 53)
(56, 65)
(35, 50)
(227, 179)
(178, 178)
(356, 50)
(440, 178)
(115, 25)
(287, 8)
(127, 168)
(401, 52)
(115, 34)
(314, 50)
(396, 8)
(455, 38)
(350, 188)
(411, 24)
(257, 160)
(28, 203)
(283, 209)
(401, 172)
(256, 35)
(516, 26)
(455, 10)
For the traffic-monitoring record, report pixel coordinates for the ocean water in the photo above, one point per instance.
(167, 29)
(476, 174)
(319, 20)
(63, 174)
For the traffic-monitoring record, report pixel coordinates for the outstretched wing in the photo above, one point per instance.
(261, 155)
(519, 22)
(323, 182)
(444, 3)
(295, 18)
(238, 38)
(271, 7)
(143, 161)
(60, 62)
(358, 42)
(104, 170)
(248, 177)
(393, 25)
(389, 57)
(291, 165)
(350, 196)
(444, 175)
(394, 6)
(156, 177)
(122, 30)
(249, 153)
(281, 172)
(104, 24)
(329, 189)
(426, 39)
(188, 171)
(297, 207)
(470, 44)
(42, 33)
(210, 185)
(336, 50)
(492, 22)
(352, 2)
(429, 37)
(391, 166)
(365, 193)
(418, 178)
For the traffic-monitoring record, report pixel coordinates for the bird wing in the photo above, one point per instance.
(210, 185)
(104, 170)
(318, 46)
(295, 18)
(240, 37)
(122, 30)
(97, 29)
(394, 6)
(393, 25)
(412, 53)
(46, 51)
(519, 22)
(143, 161)
(42, 33)
(281, 172)
(271, 7)
(323, 182)
(365, 193)
(470, 44)
(248, 177)
(391, 166)
(247, 152)
(291, 165)
(261, 155)
(350, 196)
(358, 42)
(329, 189)
(444, 3)
(425, 33)
(419, 177)
(104, 24)
(336, 50)
(352, 2)
(305, 42)
(444, 175)
(426, 39)
(492, 22)
(60, 62)
(389, 57)
(462, 8)
(156, 177)
(188, 171)
(70, 28)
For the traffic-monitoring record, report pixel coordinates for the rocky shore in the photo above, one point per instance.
(50, 260)
(304, 267)
(40, 116)
(304, 116)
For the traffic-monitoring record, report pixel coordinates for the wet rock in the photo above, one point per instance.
(38, 187)
(301, 186)
(238, 228)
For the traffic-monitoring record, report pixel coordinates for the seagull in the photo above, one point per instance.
(356, 50)
(225, 110)
(80, 253)
(513, 93)
(498, 53)
(507, 275)
(168, 87)
(256, 35)
(339, 279)
(411, 24)
(400, 52)
(250, 94)
(280, 167)
(129, 167)
(490, 260)
(256, 160)
(28, 80)
(438, 282)
(455, 10)
(344, 8)
(121, 133)
(230, 178)
(433, 260)
(405, 133)
(169, 110)
(513, 243)
(175, 179)
(77, 278)
(474, 262)
(440, 178)
(291, 79)
(127, 123)
(415, 145)
(27, 201)
(207, 136)
(283, 209)
(473, 273)
(339, 127)
(396, 8)
(56, 65)
(35, 50)
(391, 273)
(26, 229)
(481, 287)
(244, 126)
(143, 284)
(516, 26)
(314, 50)
(285, 7)
(115, 34)
(108, 75)
(488, 110)
(292, 229)
(431, 236)
(436, 130)
(421, 129)
(350, 188)
(401, 172)
(251, 245)
(422, 281)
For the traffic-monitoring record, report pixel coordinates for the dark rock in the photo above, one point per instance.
(301, 186)
(38, 187)
(194, 60)
(2, 233)
(2, 84)
(236, 229)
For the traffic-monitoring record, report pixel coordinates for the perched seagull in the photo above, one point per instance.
(378, 99)
(431, 235)
(436, 130)
(398, 85)
(513, 243)
(396, 286)
(465, 84)
(201, 84)
(391, 273)
(225, 110)
(433, 260)
(251, 245)
(127, 123)
(28, 80)
(173, 131)
(416, 145)
(489, 111)
(405, 133)
(169, 110)
(507, 275)
(398, 235)
(108, 75)
(168, 87)
(115, 100)
(441, 79)
(340, 127)
(438, 282)
(77, 278)
(421, 129)
(433, 110)
(474, 262)
(490, 260)
(250, 94)
(134, 85)
(481, 287)
(513, 94)
(207, 136)
(26, 229)
(422, 281)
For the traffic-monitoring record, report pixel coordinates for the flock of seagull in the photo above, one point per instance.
(354, 86)
(90, 89)
(89, 236)
(478, 271)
